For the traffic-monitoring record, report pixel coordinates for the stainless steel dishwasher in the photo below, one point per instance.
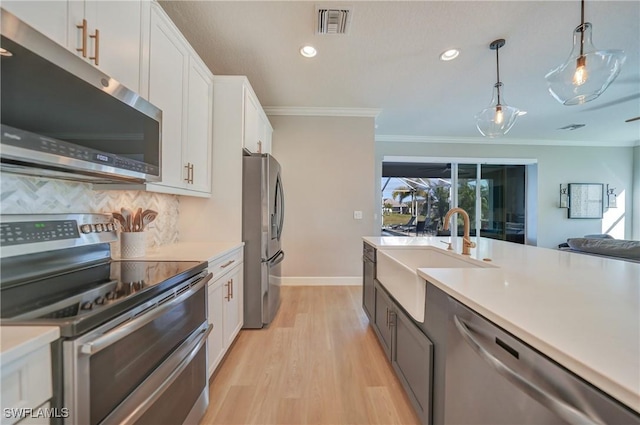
(493, 378)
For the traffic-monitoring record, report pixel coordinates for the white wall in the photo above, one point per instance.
(636, 194)
(328, 173)
(556, 164)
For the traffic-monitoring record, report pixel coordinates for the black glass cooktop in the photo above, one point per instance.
(83, 299)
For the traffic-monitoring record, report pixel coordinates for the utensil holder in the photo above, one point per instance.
(133, 244)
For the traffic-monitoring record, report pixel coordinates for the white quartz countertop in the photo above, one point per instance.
(188, 251)
(18, 341)
(581, 311)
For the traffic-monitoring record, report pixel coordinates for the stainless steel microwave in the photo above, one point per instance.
(62, 117)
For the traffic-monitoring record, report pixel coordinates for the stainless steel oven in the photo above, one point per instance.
(133, 333)
(118, 372)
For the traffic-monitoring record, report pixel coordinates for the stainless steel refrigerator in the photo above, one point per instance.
(262, 221)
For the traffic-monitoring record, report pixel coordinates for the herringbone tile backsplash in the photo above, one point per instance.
(31, 195)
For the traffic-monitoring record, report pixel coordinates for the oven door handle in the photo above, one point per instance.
(142, 406)
(128, 327)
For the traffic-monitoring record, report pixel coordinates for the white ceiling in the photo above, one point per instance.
(390, 61)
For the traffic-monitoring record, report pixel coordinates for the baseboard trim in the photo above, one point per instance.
(322, 281)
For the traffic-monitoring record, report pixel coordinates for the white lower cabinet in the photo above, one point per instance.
(26, 384)
(225, 305)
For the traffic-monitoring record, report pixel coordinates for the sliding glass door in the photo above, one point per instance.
(492, 194)
(505, 197)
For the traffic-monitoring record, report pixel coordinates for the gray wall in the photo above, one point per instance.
(328, 173)
(556, 165)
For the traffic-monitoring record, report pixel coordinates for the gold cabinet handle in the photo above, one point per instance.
(83, 27)
(227, 264)
(188, 167)
(228, 297)
(96, 45)
(231, 284)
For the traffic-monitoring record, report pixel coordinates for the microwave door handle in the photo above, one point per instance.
(557, 406)
(143, 405)
(127, 328)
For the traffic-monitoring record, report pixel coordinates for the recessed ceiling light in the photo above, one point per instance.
(5, 52)
(450, 54)
(308, 51)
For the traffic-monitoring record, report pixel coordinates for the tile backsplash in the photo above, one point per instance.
(32, 195)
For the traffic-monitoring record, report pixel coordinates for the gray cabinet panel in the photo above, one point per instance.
(382, 322)
(412, 360)
(368, 276)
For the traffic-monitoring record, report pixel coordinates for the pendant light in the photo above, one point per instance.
(588, 72)
(498, 118)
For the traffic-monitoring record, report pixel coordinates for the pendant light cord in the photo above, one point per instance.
(582, 28)
(498, 73)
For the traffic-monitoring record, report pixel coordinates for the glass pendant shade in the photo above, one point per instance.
(498, 118)
(587, 73)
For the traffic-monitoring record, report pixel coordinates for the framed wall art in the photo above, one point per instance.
(585, 200)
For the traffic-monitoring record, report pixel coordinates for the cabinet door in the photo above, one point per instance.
(168, 66)
(251, 122)
(233, 303)
(199, 118)
(119, 26)
(368, 292)
(48, 17)
(383, 319)
(215, 342)
(412, 359)
(264, 135)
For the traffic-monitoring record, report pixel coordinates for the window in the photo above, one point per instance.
(492, 194)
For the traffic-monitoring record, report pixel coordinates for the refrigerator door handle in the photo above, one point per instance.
(277, 259)
(280, 194)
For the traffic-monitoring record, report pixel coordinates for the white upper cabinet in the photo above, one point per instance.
(107, 34)
(114, 36)
(182, 86)
(264, 134)
(167, 70)
(49, 17)
(197, 149)
(257, 129)
(251, 122)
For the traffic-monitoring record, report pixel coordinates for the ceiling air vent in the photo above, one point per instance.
(572, 127)
(333, 20)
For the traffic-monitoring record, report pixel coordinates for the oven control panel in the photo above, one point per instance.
(31, 232)
(28, 234)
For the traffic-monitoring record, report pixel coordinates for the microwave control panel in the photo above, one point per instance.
(26, 140)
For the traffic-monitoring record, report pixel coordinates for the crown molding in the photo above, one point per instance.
(501, 141)
(322, 111)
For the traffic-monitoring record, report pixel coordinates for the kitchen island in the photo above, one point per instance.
(582, 312)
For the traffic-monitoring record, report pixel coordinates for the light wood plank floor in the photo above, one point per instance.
(318, 363)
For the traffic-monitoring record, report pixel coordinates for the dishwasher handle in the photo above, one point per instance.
(559, 407)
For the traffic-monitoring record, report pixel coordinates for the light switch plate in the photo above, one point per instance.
(357, 215)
